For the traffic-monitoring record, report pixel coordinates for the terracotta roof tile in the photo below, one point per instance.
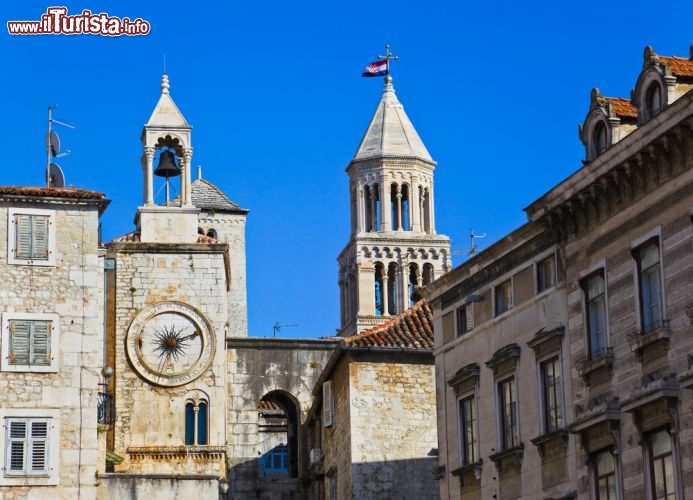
(412, 329)
(270, 409)
(45, 192)
(623, 107)
(680, 66)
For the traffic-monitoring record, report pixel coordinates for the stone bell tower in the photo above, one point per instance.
(393, 245)
(168, 136)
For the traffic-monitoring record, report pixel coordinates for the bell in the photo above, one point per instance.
(167, 165)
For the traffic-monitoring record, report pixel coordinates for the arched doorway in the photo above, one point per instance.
(278, 421)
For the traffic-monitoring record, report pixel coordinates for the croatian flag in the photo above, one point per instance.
(378, 68)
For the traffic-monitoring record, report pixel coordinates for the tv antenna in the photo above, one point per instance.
(277, 328)
(54, 174)
(472, 237)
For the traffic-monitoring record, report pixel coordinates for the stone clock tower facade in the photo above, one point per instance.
(171, 307)
(393, 246)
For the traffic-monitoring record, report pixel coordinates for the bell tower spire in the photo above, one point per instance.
(393, 246)
(167, 139)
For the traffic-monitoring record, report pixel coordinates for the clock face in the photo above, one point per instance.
(170, 344)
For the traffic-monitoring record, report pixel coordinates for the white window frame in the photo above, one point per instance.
(12, 235)
(52, 476)
(5, 364)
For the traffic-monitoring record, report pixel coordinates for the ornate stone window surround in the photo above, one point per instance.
(504, 364)
(654, 408)
(465, 383)
(546, 345)
(659, 332)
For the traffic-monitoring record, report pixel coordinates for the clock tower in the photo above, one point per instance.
(171, 306)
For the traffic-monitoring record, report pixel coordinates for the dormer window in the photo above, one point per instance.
(599, 142)
(653, 100)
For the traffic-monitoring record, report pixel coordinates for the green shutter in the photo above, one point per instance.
(20, 333)
(41, 343)
(39, 237)
(22, 247)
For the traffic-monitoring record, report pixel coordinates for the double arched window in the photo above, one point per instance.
(196, 422)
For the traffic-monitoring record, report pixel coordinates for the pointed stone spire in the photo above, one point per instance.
(390, 132)
(166, 113)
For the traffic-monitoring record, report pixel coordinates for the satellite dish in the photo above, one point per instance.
(56, 178)
(53, 142)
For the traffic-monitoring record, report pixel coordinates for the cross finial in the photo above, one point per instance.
(388, 55)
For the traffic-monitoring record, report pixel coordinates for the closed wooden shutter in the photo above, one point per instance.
(327, 404)
(20, 341)
(16, 445)
(31, 236)
(41, 343)
(39, 447)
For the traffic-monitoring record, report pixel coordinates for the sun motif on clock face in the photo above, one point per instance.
(170, 343)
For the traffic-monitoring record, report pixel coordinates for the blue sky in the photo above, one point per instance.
(273, 90)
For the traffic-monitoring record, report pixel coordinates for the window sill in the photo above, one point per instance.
(639, 342)
(513, 454)
(466, 472)
(543, 441)
(586, 367)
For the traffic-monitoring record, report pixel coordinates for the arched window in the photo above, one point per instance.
(653, 100)
(378, 289)
(196, 422)
(413, 281)
(427, 274)
(392, 289)
(200, 230)
(598, 139)
(426, 208)
(212, 233)
(406, 225)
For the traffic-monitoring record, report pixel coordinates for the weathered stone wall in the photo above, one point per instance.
(259, 367)
(152, 416)
(392, 411)
(73, 290)
(230, 229)
(157, 486)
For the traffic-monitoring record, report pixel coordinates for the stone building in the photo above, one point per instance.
(602, 354)
(51, 350)
(371, 429)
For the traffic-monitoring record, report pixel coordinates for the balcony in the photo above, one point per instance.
(601, 360)
(655, 334)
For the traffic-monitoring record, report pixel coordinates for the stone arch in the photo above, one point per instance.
(280, 412)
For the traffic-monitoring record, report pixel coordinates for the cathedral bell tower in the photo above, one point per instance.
(393, 245)
(167, 138)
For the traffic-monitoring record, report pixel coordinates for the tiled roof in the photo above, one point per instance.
(270, 408)
(46, 192)
(206, 196)
(412, 329)
(623, 107)
(680, 66)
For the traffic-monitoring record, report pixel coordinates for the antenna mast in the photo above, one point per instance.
(277, 328)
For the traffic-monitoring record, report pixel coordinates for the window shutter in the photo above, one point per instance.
(327, 404)
(39, 447)
(19, 342)
(15, 446)
(41, 343)
(22, 247)
(39, 237)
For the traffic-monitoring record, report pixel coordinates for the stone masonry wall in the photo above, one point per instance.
(73, 290)
(392, 407)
